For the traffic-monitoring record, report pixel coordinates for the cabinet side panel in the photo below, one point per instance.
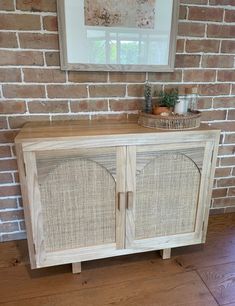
(26, 204)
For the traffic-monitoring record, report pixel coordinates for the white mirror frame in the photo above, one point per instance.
(66, 65)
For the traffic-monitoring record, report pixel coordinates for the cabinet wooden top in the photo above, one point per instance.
(35, 131)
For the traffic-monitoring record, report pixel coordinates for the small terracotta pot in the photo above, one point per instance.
(157, 110)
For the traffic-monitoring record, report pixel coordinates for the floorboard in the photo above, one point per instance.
(194, 276)
(171, 291)
(218, 249)
(220, 280)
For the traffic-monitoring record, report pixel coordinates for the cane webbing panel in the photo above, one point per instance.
(167, 191)
(78, 205)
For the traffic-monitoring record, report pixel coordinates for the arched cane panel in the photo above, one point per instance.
(78, 205)
(167, 191)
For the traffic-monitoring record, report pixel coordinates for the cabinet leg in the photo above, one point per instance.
(165, 253)
(76, 267)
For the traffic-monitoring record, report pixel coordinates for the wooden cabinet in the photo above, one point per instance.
(93, 190)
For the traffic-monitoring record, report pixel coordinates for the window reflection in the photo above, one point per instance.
(127, 48)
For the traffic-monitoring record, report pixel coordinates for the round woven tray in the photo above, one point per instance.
(189, 120)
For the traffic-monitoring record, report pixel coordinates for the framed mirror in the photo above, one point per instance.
(118, 35)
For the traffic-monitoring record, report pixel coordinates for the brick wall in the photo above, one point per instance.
(34, 88)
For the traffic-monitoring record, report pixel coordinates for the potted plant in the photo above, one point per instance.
(148, 98)
(166, 102)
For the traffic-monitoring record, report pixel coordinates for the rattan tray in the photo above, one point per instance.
(189, 120)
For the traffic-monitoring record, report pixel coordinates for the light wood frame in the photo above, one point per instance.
(65, 65)
(125, 145)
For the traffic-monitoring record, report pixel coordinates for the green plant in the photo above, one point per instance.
(168, 98)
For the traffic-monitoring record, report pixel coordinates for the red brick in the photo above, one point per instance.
(226, 75)
(203, 45)
(7, 5)
(6, 178)
(224, 202)
(38, 41)
(9, 227)
(183, 12)
(224, 102)
(107, 91)
(219, 193)
(48, 106)
(13, 214)
(204, 103)
(233, 89)
(229, 210)
(22, 226)
(87, 77)
(214, 89)
(218, 61)
(213, 115)
(233, 174)
(8, 40)
(19, 22)
(52, 58)
(24, 91)
(126, 105)
(226, 182)
(184, 61)
(67, 91)
(89, 105)
(228, 46)
(222, 2)
(137, 90)
(191, 29)
(5, 151)
(36, 5)
(231, 192)
(16, 177)
(221, 31)
(8, 165)
(180, 45)
(44, 75)
(14, 236)
(16, 58)
(50, 23)
(10, 75)
(227, 126)
(222, 172)
(3, 123)
(16, 122)
(230, 138)
(7, 137)
(8, 203)
(205, 13)
(175, 76)
(199, 75)
(12, 107)
(228, 161)
(216, 211)
(194, 1)
(226, 150)
(127, 77)
(229, 16)
(231, 114)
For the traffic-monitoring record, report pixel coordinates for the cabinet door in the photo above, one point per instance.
(73, 199)
(167, 205)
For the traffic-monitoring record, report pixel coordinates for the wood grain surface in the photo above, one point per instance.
(195, 276)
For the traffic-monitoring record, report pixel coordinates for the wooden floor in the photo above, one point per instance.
(198, 275)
